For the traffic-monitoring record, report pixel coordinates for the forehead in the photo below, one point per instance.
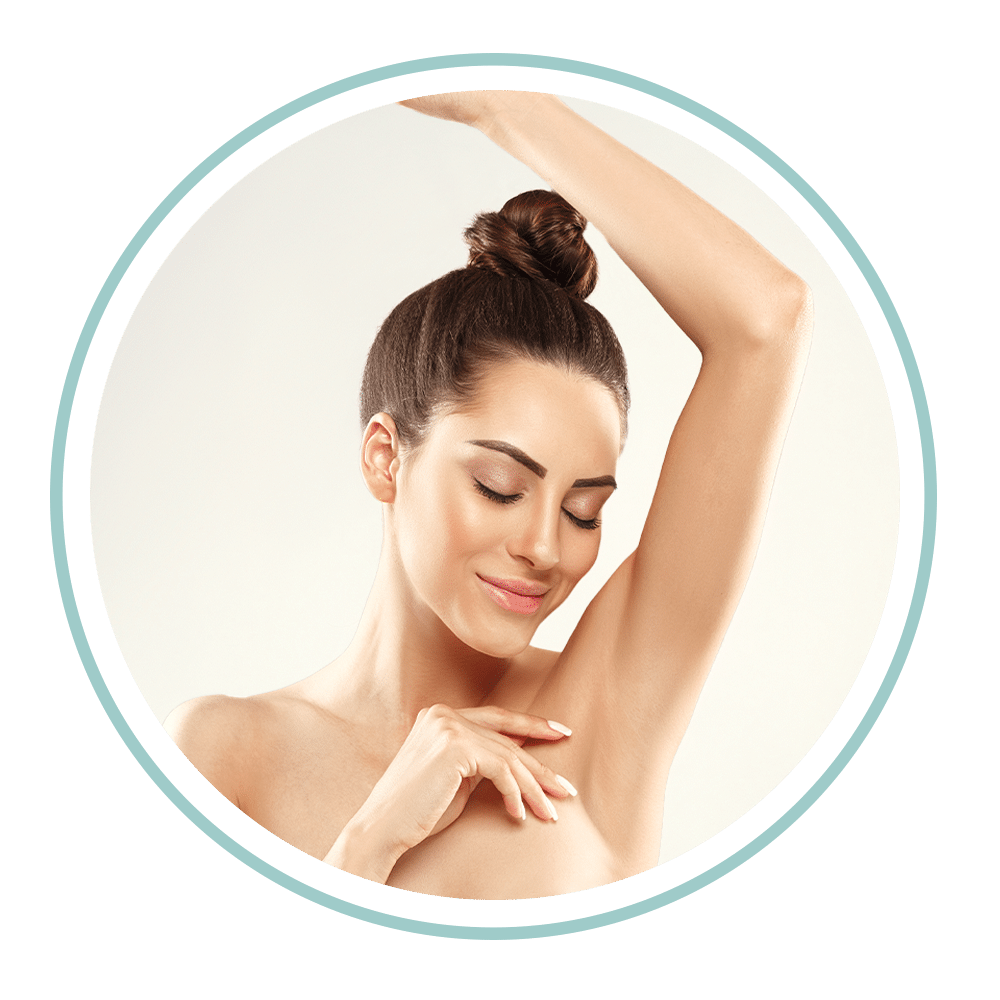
(561, 419)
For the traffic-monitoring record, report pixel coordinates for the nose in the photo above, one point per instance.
(537, 542)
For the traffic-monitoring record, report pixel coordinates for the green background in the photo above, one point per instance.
(881, 888)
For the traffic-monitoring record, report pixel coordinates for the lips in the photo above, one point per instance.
(520, 596)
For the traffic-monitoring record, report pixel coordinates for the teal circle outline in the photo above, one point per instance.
(405, 69)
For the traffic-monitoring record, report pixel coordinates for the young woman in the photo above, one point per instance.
(441, 752)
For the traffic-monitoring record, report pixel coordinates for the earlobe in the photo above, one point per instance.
(380, 457)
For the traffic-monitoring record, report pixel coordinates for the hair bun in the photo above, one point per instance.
(537, 233)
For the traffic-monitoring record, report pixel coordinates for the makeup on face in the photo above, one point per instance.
(498, 476)
(520, 596)
(496, 516)
(504, 482)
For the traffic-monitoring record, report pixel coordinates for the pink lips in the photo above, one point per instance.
(519, 596)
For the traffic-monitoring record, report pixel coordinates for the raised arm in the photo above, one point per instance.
(631, 674)
(719, 285)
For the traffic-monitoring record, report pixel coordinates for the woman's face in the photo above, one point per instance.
(497, 514)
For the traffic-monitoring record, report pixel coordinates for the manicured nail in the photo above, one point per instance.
(560, 728)
(524, 815)
(552, 808)
(565, 783)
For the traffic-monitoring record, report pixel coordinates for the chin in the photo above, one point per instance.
(498, 643)
(501, 648)
(503, 640)
(499, 634)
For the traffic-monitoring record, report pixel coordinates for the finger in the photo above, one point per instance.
(494, 767)
(532, 791)
(515, 782)
(550, 781)
(503, 720)
(517, 786)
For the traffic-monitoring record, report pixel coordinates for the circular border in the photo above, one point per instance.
(405, 69)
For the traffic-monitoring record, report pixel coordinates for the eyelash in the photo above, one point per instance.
(494, 496)
(506, 498)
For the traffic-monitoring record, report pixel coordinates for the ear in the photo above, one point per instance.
(380, 457)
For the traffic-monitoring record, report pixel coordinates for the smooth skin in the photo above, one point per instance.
(411, 758)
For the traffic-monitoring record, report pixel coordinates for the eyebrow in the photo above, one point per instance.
(539, 470)
(583, 484)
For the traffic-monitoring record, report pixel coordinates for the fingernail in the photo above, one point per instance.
(552, 808)
(560, 728)
(520, 802)
(566, 784)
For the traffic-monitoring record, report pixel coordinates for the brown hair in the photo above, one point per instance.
(521, 296)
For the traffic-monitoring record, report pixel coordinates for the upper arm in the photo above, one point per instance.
(208, 732)
(683, 583)
(632, 671)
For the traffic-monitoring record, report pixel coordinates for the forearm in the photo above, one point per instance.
(711, 276)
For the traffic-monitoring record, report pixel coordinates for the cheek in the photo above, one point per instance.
(462, 521)
(580, 552)
(451, 527)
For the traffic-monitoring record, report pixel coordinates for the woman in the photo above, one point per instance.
(432, 753)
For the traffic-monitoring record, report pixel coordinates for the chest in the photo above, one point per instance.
(305, 787)
(306, 792)
(485, 854)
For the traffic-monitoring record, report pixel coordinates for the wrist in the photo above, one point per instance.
(510, 113)
(362, 849)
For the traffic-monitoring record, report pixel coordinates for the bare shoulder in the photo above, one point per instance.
(214, 719)
(210, 732)
(220, 735)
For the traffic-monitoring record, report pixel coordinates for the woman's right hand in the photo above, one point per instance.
(427, 785)
(478, 108)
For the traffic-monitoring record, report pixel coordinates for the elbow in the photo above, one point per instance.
(799, 311)
(788, 318)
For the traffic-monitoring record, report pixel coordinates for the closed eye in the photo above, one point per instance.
(494, 496)
(588, 525)
(591, 525)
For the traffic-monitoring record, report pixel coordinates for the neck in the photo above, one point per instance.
(403, 658)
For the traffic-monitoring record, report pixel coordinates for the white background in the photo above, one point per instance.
(236, 543)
